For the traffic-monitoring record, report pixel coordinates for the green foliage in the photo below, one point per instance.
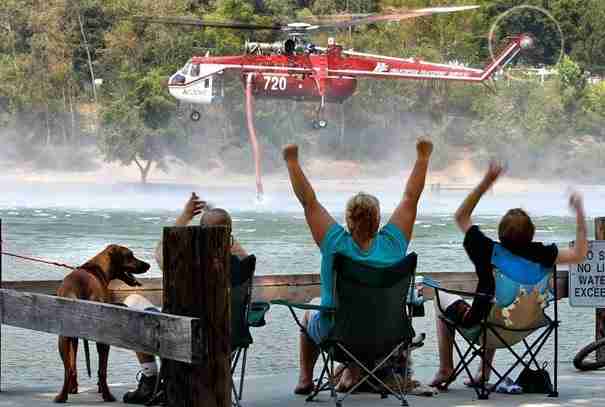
(46, 80)
(572, 83)
(138, 121)
(595, 100)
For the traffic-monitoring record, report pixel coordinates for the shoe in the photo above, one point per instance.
(144, 392)
(507, 386)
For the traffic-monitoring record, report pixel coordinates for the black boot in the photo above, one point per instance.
(144, 391)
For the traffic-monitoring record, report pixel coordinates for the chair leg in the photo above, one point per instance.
(332, 378)
(235, 357)
(320, 386)
(484, 393)
(235, 401)
(463, 364)
(555, 392)
(532, 350)
(241, 378)
(370, 373)
(404, 391)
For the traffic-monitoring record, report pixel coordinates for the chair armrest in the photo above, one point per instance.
(436, 285)
(256, 314)
(312, 307)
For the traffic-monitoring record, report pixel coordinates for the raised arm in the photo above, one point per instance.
(193, 207)
(318, 218)
(577, 253)
(404, 215)
(463, 214)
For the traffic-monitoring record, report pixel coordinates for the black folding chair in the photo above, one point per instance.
(244, 315)
(371, 325)
(492, 333)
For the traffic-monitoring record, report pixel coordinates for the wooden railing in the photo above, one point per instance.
(293, 287)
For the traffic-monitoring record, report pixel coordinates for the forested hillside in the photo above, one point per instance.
(52, 115)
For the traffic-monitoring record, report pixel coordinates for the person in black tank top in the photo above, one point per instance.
(516, 233)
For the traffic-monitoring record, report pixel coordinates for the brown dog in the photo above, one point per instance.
(90, 282)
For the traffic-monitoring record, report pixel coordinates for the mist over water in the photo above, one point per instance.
(538, 199)
(70, 219)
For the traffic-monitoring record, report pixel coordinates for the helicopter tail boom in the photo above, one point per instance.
(381, 67)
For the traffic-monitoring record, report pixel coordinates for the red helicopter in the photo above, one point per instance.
(297, 69)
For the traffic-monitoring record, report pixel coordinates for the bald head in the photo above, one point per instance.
(216, 217)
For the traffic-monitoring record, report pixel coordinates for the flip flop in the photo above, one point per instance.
(442, 386)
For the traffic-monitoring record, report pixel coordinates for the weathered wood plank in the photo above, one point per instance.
(168, 336)
(197, 283)
(293, 287)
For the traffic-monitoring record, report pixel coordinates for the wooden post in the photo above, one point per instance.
(599, 229)
(197, 282)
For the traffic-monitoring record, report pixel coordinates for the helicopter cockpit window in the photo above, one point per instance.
(185, 70)
(289, 46)
(206, 83)
(195, 70)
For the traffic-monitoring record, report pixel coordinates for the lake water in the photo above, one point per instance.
(71, 223)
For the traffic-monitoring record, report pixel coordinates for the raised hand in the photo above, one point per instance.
(193, 207)
(576, 202)
(494, 170)
(424, 147)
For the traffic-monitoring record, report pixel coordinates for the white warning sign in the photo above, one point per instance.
(587, 279)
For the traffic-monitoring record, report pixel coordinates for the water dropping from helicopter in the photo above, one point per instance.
(297, 69)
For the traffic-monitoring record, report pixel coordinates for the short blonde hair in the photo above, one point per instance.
(363, 216)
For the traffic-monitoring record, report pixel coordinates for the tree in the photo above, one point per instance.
(138, 123)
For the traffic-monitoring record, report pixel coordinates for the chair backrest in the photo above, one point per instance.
(371, 314)
(242, 273)
(522, 294)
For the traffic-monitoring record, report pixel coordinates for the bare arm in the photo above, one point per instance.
(577, 253)
(463, 214)
(404, 215)
(238, 250)
(318, 218)
(193, 207)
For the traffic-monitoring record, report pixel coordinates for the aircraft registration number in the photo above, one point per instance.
(276, 83)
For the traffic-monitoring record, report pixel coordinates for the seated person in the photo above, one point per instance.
(149, 368)
(516, 233)
(363, 242)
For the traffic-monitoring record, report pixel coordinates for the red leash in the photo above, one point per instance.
(52, 263)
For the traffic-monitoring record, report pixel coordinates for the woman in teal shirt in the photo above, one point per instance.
(363, 242)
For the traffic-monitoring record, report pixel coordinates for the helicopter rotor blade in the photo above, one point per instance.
(196, 22)
(306, 24)
(395, 15)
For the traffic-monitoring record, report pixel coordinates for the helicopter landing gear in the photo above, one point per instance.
(179, 111)
(195, 116)
(319, 122)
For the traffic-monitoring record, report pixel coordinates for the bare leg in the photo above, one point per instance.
(445, 342)
(489, 359)
(308, 356)
(350, 377)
